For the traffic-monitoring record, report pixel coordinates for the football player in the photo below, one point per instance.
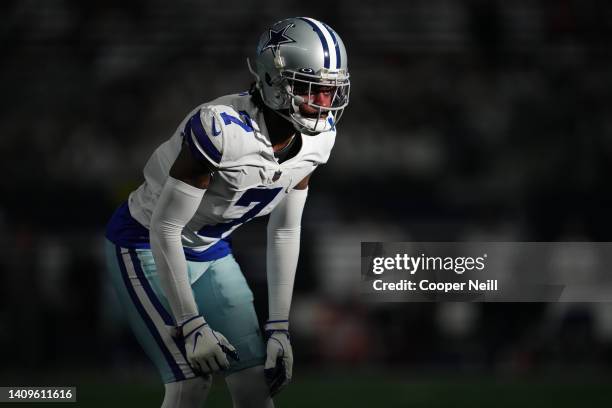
(232, 159)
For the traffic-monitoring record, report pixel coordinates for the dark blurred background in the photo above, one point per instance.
(469, 120)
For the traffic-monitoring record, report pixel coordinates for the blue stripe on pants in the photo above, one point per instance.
(152, 297)
(153, 341)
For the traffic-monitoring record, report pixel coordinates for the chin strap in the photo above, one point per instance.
(300, 127)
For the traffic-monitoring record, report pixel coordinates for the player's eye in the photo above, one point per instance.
(325, 90)
(300, 88)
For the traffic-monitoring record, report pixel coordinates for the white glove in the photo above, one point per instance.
(279, 355)
(207, 350)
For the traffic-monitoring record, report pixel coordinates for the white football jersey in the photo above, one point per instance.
(230, 133)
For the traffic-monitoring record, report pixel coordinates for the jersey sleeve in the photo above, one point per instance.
(203, 133)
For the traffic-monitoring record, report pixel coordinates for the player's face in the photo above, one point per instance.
(320, 95)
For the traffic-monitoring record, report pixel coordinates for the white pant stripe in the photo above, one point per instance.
(164, 330)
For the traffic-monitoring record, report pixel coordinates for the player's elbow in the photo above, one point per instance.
(284, 233)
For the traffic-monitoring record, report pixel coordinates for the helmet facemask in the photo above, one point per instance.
(289, 89)
(303, 88)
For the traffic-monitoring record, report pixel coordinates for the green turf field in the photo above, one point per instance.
(369, 390)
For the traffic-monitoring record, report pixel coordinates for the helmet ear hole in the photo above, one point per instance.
(268, 79)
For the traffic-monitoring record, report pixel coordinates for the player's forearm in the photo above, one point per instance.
(283, 250)
(282, 257)
(176, 206)
(173, 277)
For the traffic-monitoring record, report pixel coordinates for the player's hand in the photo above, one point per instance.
(279, 356)
(207, 350)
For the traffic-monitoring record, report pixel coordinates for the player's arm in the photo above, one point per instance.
(178, 202)
(283, 249)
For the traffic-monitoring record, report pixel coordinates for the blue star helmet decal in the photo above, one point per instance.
(277, 38)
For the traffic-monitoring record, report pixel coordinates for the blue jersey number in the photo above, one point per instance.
(247, 125)
(261, 196)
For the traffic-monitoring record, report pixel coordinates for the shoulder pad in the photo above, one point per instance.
(215, 133)
(203, 133)
(318, 148)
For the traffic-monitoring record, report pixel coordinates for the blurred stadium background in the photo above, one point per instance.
(470, 120)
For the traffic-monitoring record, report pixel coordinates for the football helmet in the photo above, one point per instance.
(294, 60)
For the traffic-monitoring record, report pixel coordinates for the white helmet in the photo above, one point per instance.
(302, 54)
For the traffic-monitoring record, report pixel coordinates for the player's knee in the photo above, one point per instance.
(249, 389)
(189, 393)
